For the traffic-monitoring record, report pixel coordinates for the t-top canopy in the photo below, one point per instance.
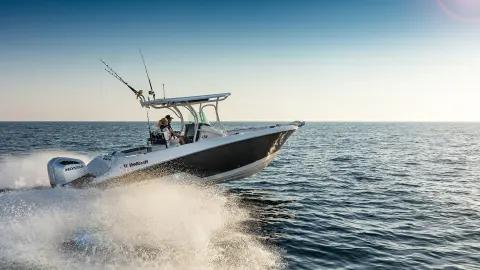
(170, 102)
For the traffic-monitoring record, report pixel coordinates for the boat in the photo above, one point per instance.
(210, 152)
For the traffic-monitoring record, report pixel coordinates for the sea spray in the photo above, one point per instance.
(161, 224)
(28, 171)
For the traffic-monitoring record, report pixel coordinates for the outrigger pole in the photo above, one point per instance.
(114, 74)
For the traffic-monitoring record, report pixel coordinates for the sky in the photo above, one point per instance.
(349, 60)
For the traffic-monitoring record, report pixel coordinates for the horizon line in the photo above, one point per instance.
(248, 121)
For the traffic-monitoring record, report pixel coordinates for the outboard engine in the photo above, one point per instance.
(62, 170)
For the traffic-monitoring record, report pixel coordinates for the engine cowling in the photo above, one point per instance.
(62, 170)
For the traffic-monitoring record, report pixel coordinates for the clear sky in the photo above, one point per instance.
(348, 60)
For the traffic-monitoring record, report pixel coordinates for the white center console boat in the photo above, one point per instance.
(210, 152)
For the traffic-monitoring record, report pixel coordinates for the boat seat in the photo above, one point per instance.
(190, 131)
(158, 138)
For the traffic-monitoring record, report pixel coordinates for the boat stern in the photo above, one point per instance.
(63, 170)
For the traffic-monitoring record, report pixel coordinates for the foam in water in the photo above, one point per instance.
(159, 224)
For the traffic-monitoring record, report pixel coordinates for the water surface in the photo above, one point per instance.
(338, 196)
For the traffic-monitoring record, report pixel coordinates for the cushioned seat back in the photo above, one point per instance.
(158, 138)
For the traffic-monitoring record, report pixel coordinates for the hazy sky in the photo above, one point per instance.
(348, 60)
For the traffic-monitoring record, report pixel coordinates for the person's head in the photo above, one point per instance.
(163, 122)
(169, 118)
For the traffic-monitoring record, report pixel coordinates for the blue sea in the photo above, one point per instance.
(338, 196)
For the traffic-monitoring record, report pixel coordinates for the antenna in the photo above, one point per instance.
(151, 92)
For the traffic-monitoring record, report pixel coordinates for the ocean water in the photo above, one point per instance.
(338, 196)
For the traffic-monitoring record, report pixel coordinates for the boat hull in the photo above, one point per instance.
(241, 156)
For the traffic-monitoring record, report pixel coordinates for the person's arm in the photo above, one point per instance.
(171, 131)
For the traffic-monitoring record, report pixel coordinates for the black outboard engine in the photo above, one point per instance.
(62, 170)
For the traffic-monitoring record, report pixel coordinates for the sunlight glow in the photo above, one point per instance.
(463, 10)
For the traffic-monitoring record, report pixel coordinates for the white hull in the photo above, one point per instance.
(240, 154)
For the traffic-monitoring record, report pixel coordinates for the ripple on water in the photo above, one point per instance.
(338, 196)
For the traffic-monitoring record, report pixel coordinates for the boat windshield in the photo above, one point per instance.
(202, 118)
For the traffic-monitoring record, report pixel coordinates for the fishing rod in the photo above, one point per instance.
(151, 92)
(150, 82)
(114, 74)
(137, 93)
